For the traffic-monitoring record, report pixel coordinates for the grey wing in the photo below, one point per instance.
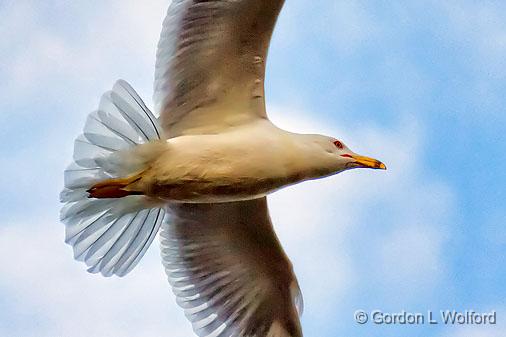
(211, 63)
(229, 272)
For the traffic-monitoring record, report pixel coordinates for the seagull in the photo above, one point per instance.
(197, 171)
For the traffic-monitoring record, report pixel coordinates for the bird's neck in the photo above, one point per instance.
(309, 161)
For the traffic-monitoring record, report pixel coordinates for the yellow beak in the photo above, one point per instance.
(366, 162)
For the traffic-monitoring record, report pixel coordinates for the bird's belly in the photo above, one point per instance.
(202, 191)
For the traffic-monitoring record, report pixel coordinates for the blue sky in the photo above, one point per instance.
(418, 84)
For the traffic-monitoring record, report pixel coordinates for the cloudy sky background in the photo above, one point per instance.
(418, 84)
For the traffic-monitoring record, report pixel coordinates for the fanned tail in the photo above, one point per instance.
(110, 234)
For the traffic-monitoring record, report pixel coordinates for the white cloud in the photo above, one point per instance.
(411, 253)
(40, 53)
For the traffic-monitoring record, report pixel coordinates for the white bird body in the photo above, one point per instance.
(207, 158)
(241, 163)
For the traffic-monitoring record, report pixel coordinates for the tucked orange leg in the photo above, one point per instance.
(113, 188)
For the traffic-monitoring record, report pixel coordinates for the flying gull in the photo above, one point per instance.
(198, 170)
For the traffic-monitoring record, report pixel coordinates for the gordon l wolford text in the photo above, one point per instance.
(447, 317)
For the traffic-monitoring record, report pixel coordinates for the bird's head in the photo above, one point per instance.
(333, 156)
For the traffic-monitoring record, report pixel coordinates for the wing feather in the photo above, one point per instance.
(210, 63)
(228, 270)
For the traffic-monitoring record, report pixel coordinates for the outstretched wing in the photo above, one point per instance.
(210, 64)
(229, 272)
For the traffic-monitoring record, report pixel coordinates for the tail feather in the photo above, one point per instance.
(109, 227)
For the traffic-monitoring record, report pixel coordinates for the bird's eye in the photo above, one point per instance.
(339, 145)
